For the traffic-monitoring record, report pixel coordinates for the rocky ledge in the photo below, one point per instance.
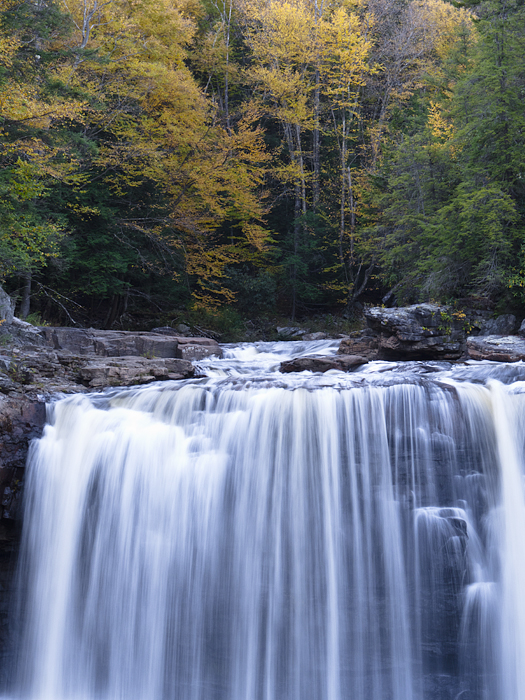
(49, 360)
(161, 343)
(315, 363)
(424, 332)
(36, 363)
(510, 348)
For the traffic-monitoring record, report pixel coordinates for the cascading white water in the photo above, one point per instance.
(256, 536)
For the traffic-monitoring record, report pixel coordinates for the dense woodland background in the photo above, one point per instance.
(166, 160)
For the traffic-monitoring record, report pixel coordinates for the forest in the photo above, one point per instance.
(221, 160)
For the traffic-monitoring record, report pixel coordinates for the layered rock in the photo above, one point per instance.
(90, 341)
(364, 343)
(59, 371)
(433, 332)
(418, 332)
(315, 363)
(128, 371)
(510, 348)
(21, 420)
(501, 325)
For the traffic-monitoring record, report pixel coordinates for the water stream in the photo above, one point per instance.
(257, 536)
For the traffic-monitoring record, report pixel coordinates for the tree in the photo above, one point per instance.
(462, 228)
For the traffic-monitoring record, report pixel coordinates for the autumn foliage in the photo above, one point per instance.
(259, 154)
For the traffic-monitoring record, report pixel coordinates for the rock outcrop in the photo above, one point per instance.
(510, 348)
(314, 363)
(433, 332)
(82, 341)
(128, 371)
(419, 332)
(7, 308)
(21, 420)
(71, 360)
(501, 325)
(55, 371)
(364, 343)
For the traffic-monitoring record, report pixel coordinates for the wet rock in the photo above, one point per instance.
(510, 348)
(128, 371)
(197, 348)
(314, 363)
(521, 330)
(418, 332)
(123, 344)
(21, 420)
(502, 325)
(315, 336)
(290, 331)
(364, 343)
(75, 340)
(160, 344)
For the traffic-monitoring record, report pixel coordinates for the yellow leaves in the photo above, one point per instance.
(283, 40)
(297, 52)
(8, 47)
(442, 20)
(9, 43)
(282, 33)
(345, 48)
(121, 30)
(441, 128)
(83, 211)
(257, 236)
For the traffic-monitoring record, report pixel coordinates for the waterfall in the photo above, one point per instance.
(256, 536)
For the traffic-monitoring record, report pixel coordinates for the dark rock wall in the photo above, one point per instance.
(22, 420)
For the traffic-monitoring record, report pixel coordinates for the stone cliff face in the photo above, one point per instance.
(22, 419)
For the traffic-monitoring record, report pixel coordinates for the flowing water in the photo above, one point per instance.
(257, 536)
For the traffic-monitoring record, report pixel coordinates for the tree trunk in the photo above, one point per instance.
(316, 146)
(26, 296)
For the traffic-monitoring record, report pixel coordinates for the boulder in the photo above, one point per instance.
(290, 331)
(418, 332)
(197, 348)
(128, 371)
(25, 334)
(316, 363)
(521, 330)
(502, 325)
(510, 348)
(164, 330)
(364, 343)
(75, 340)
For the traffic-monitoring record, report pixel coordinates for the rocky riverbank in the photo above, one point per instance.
(423, 332)
(37, 363)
